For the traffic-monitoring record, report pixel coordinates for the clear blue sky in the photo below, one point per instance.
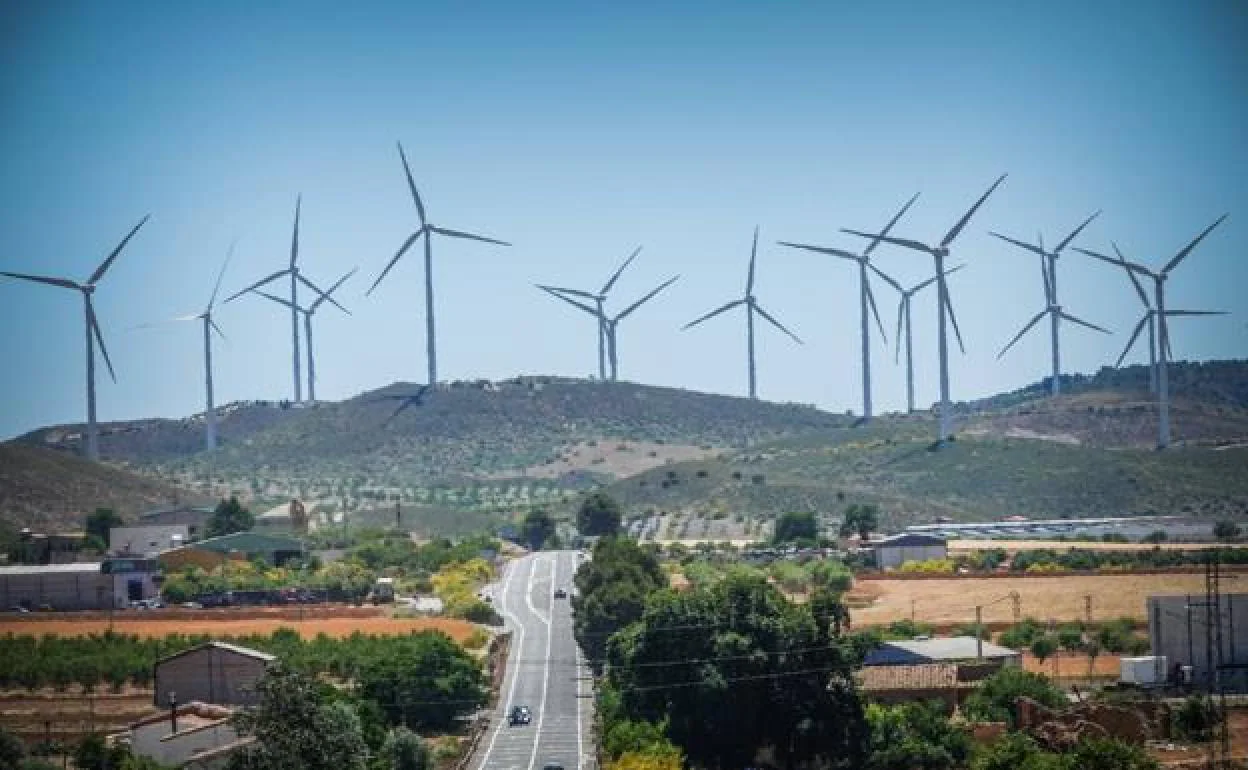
(578, 131)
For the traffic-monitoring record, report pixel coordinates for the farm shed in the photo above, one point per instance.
(77, 586)
(1177, 629)
(892, 552)
(952, 649)
(216, 673)
(193, 517)
(206, 554)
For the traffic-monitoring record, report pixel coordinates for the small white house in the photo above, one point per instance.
(892, 552)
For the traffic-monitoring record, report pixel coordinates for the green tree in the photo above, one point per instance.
(1109, 754)
(1156, 536)
(1226, 530)
(228, 517)
(100, 521)
(915, 735)
(94, 753)
(538, 528)
(1016, 751)
(797, 526)
(1070, 637)
(424, 682)
(611, 592)
(860, 519)
(599, 514)
(12, 750)
(994, 700)
(767, 677)
(297, 724)
(404, 750)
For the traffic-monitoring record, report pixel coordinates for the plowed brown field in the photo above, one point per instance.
(227, 626)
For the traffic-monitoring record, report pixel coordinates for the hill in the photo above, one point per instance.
(48, 490)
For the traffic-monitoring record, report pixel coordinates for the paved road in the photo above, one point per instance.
(543, 672)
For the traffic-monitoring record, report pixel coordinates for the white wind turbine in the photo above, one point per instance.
(1053, 308)
(599, 312)
(943, 306)
(427, 229)
(307, 314)
(903, 320)
(865, 298)
(1159, 308)
(92, 329)
(751, 307)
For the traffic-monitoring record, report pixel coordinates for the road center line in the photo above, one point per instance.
(515, 673)
(541, 712)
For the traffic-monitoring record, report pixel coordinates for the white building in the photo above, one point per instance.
(892, 552)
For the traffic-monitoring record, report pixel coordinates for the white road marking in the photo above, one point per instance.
(541, 714)
(515, 673)
(580, 750)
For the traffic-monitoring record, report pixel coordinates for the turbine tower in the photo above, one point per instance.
(609, 326)
(210, 413)
(599, 313)
(1159, 307)
(296, 278)
(865, 298)
(307, 314)
(1052, 308)
(903, 320)
(92, 329)
(943, 306)
(428, 230)
(1150, 318)
(751, 307)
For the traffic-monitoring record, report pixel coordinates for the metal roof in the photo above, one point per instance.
(922, 676)
(907, 539)
(234, 648)
(951, 648)
(51, 569)
(248, 542)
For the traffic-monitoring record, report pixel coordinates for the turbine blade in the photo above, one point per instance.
(402, 250)
(875, 311)
(294, 237)
(1021, 244)
(1082, 322)
(469, 236)
(776, 323)
(906, 242)
(411, 185)
(953, 233)
(1139, 288)
(1139, 327)
(321, 294)
(178, 319)
(616, 275)
(822, 250)
(887, 278)
(920, 287)
(1075, 233)
(99, 337)
(107, 263)
(573, 292)
(1165, 340)
(901, 311)
(647, 298)
(317, 303)
(1119, 261)
(278, 300)
(221, 273)
(888, 228)
(954, 320)
(554, 293)
(62, 282)
(749, 280)
(1196, 312)
(713, 313)
(1023, 331)
(258, 284)
(217, 329)
(1048, 284)
(1188, 249)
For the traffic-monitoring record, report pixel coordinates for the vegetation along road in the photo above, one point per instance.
(543, 672)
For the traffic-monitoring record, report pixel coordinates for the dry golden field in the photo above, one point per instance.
(952, 600)
(226, 626)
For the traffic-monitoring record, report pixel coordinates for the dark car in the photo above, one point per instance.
(520, 715)
(552, 766)
(561, 594)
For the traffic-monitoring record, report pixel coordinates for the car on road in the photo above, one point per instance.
(552, 766)
(520, 715)
(561, 594)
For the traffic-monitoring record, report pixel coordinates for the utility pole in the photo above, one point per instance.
(1087, 608)
(979, 636)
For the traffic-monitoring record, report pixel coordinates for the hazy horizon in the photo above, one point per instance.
(578, 135)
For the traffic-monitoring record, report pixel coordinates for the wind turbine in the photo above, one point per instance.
(1150, 318)
(426, 229)
(1159, 308)
(307, 313)
(410, 399)
(296, 278)
(1052, 308)
(609, 326)
(943, 305)
(599, 313)
(210, 413)
(865, 298)
(751, 307)
(92, 329)
(903, 319)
